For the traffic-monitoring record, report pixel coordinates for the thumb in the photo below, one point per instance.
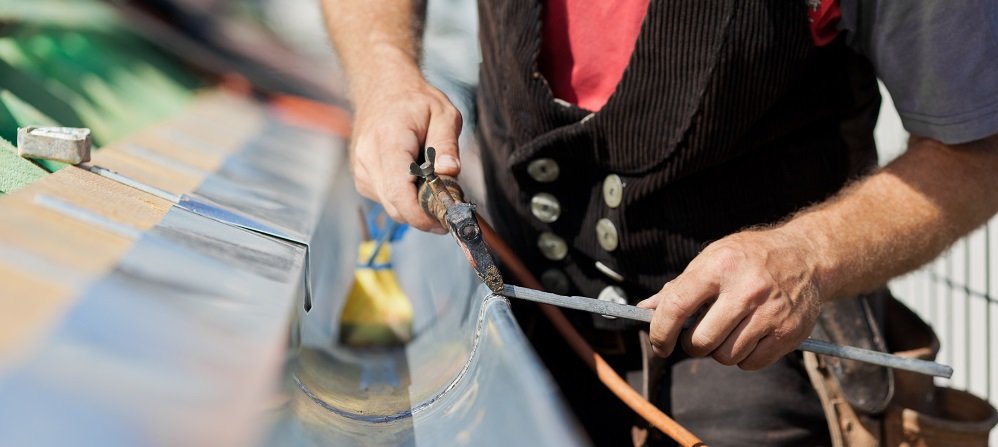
(442, 135)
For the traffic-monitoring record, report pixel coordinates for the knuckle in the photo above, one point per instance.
(393, 212)
(724, 358)
(450, 112)
(751, 364)
(676, 307)
(756, 289)
(659, 352)
(727, 258)
(656, 335)
(421, 224)
(702, 342)
(694, 352)
(659, 342)
(379, 130)
(363, 188)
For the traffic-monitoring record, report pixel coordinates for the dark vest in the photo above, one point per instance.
(727, 116)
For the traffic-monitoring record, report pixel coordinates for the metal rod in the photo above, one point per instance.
(128, 181)
(811, 345)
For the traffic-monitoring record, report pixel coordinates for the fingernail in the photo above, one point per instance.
(644, 303)
(448, 162)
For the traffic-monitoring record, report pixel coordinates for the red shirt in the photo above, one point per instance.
(586, 45)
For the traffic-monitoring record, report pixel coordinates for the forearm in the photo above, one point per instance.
(900, 217)
(396, 112)
(376, 40)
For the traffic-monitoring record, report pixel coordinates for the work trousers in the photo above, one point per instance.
(723, 405)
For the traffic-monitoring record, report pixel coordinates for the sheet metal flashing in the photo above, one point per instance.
(199, 337)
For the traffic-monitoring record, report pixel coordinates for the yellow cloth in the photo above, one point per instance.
(377, 312)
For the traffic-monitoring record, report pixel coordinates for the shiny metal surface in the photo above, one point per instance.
(470, 379)
(610, 307)
(198, 336)
(279, 179)
(612, 294)
(179, 345)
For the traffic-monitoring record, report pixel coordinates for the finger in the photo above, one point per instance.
(714, 327)
(361, 181)
(651, 302)
(678, 300)
(739, 344)
(442, 134)
(765, 353)
(397, 189)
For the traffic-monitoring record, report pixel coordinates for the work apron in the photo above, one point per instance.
(727, 116)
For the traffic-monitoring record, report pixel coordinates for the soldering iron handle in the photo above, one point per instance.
(437, 193)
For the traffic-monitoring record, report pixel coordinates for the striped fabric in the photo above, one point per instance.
(727, 116)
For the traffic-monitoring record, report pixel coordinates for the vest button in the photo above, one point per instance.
(612, 294)
(606, 234)
(545, 207)
(613, 190)
(555, 281)
(552, 246)
(543, 170)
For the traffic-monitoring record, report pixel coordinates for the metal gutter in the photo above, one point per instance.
(199, 337)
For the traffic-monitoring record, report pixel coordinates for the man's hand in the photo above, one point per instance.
(396, 112)
(761, 296)
(765, 285)
(394, 121)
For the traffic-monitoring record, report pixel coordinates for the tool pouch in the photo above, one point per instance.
(867, 388)
(853, 394)
(916, 412)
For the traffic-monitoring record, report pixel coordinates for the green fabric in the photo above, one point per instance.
(74, 63)
(17, 172)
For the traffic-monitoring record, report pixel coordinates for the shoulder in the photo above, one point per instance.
(938, 59)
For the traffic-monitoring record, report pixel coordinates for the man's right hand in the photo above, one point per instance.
(398, 114)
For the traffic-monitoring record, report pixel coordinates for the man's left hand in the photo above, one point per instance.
(761, 297)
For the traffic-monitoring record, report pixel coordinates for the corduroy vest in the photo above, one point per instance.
(727, 116)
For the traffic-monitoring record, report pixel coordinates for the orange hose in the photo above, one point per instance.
(603, 370)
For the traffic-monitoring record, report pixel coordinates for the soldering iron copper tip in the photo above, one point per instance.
(493, 279)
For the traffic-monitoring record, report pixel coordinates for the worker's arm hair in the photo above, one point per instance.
(375, 38)
(901, 216)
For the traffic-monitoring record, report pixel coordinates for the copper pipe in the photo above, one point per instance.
(603, 370)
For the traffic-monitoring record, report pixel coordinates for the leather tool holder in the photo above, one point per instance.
(853, 394)
(912, 410)
(867, 388)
